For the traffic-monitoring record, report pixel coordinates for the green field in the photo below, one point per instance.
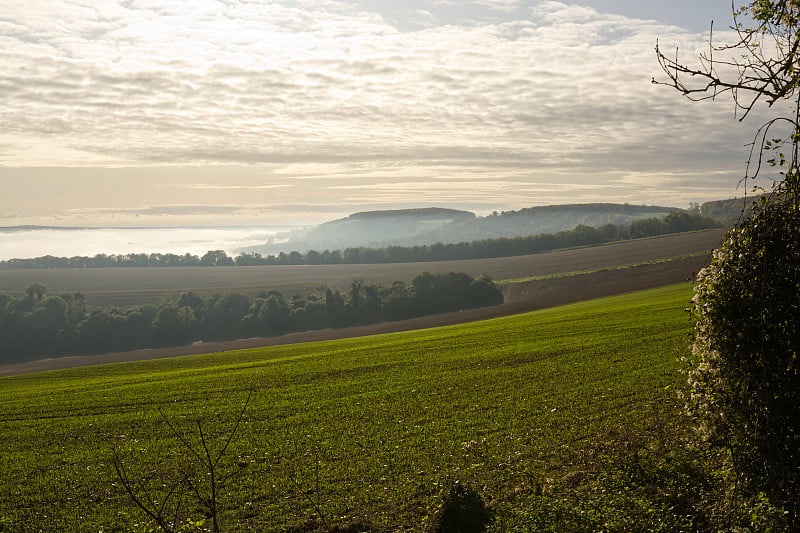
(370, 429)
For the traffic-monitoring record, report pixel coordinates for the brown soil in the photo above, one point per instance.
(126, 287)
(520, 298)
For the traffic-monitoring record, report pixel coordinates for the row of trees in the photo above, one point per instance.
(39, 324)
(211, 258)
(501, 247)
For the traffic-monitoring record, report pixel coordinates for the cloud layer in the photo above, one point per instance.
(350, 103)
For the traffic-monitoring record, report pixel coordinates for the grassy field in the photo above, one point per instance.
(363, 433)
(135, 286)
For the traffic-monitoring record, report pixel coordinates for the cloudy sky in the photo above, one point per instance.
(141, 112)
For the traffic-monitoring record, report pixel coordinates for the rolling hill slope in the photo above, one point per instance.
(412, 227)
(371, 428)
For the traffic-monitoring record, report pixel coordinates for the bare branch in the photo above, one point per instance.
(235, 427)
(124, 478)
(192, 482)
(767, 70)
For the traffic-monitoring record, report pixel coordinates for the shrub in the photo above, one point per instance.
(463, 511)
(744, 372)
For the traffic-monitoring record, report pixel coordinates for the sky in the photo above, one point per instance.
(204, 112)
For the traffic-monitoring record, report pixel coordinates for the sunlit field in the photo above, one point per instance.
(363, 433)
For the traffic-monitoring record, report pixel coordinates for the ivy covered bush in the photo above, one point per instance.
(744, 372)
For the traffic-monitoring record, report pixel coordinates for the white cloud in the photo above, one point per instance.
(235, 187)
(338, 90)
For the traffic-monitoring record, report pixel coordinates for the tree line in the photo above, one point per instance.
(581, 235)
(38, 324)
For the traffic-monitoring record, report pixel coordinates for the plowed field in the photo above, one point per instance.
(520, 298)
(134, 286)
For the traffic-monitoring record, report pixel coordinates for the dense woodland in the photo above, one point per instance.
(501, 247)
(39, 325)
(731, 211)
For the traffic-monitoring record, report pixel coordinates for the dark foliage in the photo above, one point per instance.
(744, 373)
(39, 325)
(463, 511)
(438, 293)
(744, 381)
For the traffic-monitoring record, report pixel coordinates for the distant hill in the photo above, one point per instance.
(412, 227)
(368, 228)
(423, 213)
(727, 212)
(544, 219)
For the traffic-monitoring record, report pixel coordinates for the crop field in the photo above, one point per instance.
(135, 286)
(362, 433)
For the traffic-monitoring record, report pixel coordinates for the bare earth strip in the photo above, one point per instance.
(134, 286)
(520, 298)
